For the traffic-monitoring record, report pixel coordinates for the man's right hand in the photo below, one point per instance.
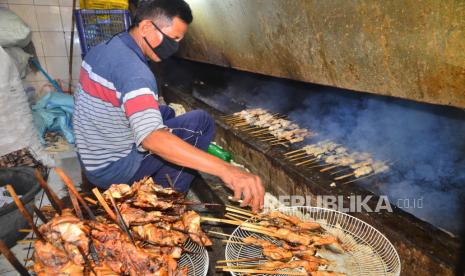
(245, 185)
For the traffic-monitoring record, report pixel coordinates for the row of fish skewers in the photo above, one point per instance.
(337, 160)
(289, 246)
(327, 155)
(260, 123)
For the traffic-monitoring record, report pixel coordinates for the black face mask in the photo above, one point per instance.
(167, 47)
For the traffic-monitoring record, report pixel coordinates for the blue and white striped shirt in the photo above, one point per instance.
(116, 107)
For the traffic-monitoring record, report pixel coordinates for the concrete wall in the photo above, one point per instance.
(410, 49)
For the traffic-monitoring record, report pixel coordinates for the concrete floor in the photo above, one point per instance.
(69, 163)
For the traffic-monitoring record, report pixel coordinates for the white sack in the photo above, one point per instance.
(13, 30)
(20, 58)
(16, 128)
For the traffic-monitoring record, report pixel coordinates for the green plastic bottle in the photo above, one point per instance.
(219, 152)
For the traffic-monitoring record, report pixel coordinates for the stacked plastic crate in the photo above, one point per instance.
(99, 21)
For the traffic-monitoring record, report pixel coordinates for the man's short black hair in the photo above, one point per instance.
(162, 9)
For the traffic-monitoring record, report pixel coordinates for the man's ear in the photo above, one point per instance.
(145, 27)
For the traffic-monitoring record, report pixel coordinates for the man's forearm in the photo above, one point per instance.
(173, 149)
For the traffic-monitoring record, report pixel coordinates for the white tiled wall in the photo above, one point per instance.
(50, 22)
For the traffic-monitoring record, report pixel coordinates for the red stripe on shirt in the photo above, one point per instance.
(97, 90)
(140, 103)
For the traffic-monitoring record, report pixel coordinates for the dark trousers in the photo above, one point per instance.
(196, 128)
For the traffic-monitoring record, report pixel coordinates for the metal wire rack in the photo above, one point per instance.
(367, 251)
(196, 259)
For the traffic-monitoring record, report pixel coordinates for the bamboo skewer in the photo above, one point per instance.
(170, 182)
(238, 210)
(241, 217)
(39, 214)
(90, 200)
(318, 166)
(336, 172)
(329, 168)
(227, 116)
(296, 155)
(249, 128)
(234, 210)
(276, 140)
(239, 260)
(234, 121)
(73, 190)
(263, 231)
(237, 119)
(25, 241)
(292, 152)
(248, 125)
(298, 158)
(237, 266)
(24, 212)
(233, 117)
(360, 178)
(219, 233)
(256, 129)
(232, 218)
(121, 221)
(313, 159)
(258, 271)
(271, 139)
(86, 260)
(348, 168)
(25, 230)
(242, 124)
(199, 203)
(344, 176)
(260, 135)
(12, 259)
(238, 223)
(259, 131)
(93, 250)
(57, 204)
(104, 204)
(238, 242)
(279, 143)
(76, 206)
(305, 162)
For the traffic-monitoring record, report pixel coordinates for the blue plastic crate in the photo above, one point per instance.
(97, 26)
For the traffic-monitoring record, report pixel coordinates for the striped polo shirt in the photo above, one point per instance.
(116, 107)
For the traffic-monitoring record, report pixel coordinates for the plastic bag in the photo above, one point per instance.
(54, 112)
(13, 30)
